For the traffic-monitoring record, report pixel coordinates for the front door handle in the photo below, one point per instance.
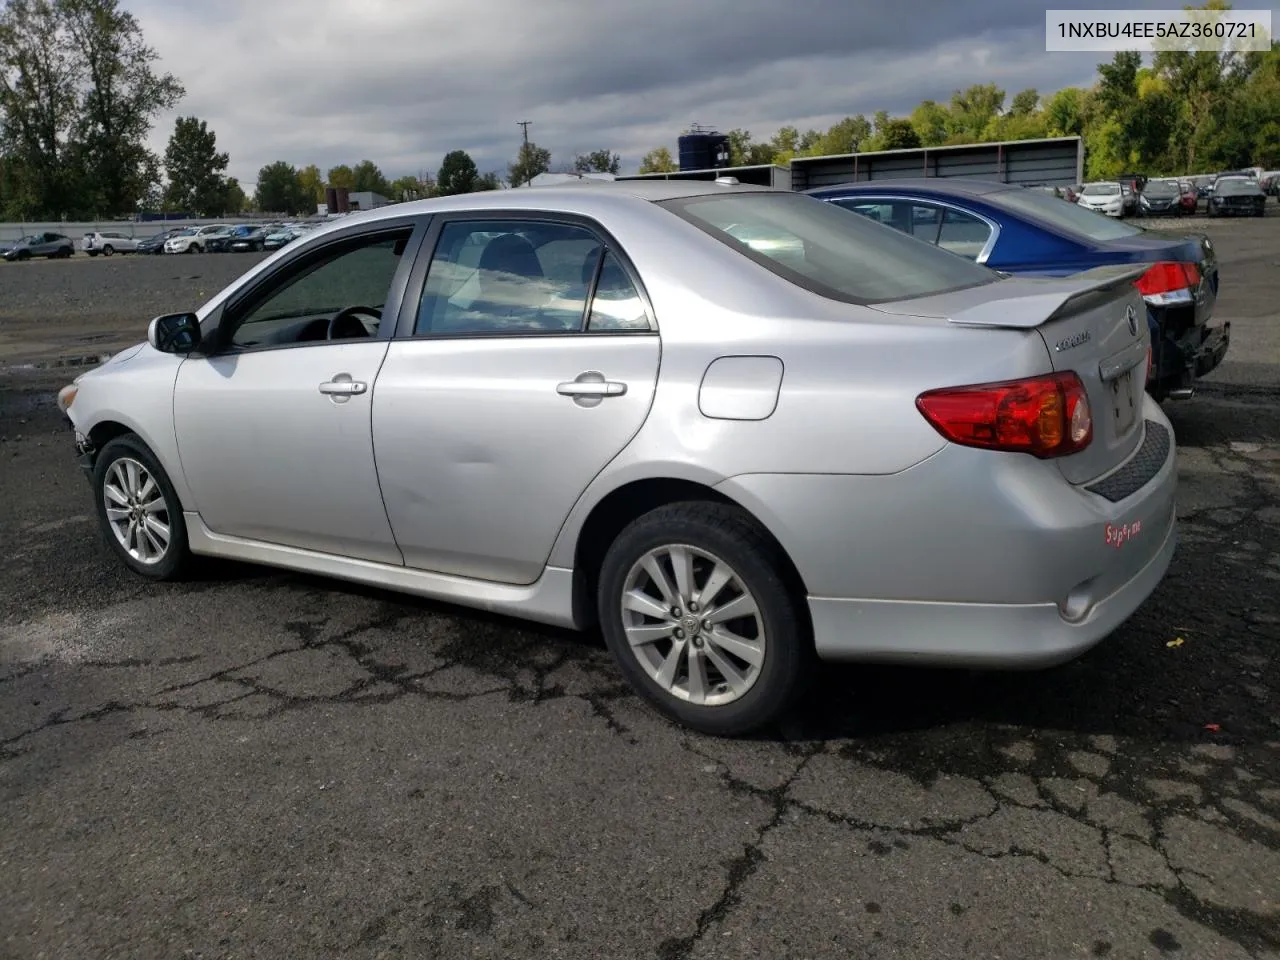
(341, 387)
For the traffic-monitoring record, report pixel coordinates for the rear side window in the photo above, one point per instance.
(829, 251)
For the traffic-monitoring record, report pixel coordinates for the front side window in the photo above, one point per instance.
(338, 295)
(513, 277)
(825, 250)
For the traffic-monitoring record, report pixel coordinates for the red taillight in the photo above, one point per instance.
(1151, 366)
(1169, 282)
(1044, 416)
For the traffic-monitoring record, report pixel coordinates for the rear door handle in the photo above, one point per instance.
(592, 388)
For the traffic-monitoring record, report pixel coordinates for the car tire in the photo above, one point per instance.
(719, 537)
(124, 465)
(24, 255)
(193, 249)
(108, 250)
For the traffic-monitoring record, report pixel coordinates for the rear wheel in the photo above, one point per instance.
(139, 511)
(108, 250)
(695, 610)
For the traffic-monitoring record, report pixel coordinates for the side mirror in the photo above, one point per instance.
(174, 333)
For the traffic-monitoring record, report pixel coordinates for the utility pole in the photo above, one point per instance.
(524, 129)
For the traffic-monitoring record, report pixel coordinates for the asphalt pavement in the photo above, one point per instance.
(264, 764)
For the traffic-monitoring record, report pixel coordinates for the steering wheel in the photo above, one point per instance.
(347, 323)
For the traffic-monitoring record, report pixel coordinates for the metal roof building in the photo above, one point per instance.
(1053, 161)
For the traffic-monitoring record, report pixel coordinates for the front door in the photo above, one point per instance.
(274, 429)
(529, 363)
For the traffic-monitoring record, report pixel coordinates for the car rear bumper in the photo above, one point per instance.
(972, 558)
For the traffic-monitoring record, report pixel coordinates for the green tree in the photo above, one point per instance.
(195, 167)
(121, 95)
(488, 181)
(279, 191)
(658, 160)
(341, 176)
(458, 174)
(893, 133)
(234, 200)
(410, 187)
(530, 161)
(972, 109)
(1024, 103)
(311, 183)
(1064, 113)
(932, 123)
(366, 176)
(38, 109)
(597, 161)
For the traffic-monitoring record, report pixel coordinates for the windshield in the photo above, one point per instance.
(829, 251)
(185, 233)
(1235, 185)
(1064, 216)
(1161, 188)
(1102, 190)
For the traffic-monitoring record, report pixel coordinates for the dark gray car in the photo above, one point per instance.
(51, 245)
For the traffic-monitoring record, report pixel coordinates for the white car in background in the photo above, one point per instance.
(192, 240)
(107, 242)
(1106, 197)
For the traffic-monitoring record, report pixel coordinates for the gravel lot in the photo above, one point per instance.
(261, 764)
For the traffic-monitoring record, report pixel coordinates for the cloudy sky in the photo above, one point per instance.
(402, 82)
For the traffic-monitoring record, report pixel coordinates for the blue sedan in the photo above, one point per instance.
(1020, 230)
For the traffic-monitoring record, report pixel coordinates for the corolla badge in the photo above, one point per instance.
(1072, 341)
(1131, 318)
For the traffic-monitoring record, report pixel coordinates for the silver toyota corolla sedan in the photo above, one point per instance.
(739, 430)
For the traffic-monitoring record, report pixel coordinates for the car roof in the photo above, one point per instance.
(955, 186)
(561, 197)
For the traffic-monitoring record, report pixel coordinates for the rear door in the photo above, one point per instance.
(525, 360)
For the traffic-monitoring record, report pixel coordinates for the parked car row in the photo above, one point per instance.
(210, 238)
(1225, 194)
(1029, 233)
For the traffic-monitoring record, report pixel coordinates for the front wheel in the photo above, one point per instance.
(108, 250)
(139, 511)
(193, 249)
(695, 610)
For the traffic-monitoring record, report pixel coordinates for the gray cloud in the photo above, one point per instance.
(402, 83)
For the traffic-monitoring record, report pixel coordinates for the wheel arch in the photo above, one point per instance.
(110, 427)
(625, 503)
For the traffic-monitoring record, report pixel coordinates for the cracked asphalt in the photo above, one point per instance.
(264, 764)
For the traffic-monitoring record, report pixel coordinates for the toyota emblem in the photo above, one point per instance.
(1131, 317)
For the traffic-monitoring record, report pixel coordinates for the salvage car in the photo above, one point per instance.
(1161, 198)
(1023, 232)
(1107, 197)
(1237, 197)
(737, 430)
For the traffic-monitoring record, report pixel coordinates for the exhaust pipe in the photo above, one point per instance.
(1182, 393)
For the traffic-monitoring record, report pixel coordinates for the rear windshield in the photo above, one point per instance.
(829, 251)
(1064, 216)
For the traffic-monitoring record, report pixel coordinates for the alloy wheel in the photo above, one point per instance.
(136, 510)
(693, 625)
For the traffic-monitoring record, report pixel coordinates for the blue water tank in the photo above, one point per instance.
(703, 151)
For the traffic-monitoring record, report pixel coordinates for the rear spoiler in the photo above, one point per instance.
(1029, 310)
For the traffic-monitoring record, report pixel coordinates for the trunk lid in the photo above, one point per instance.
(1093, 324)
